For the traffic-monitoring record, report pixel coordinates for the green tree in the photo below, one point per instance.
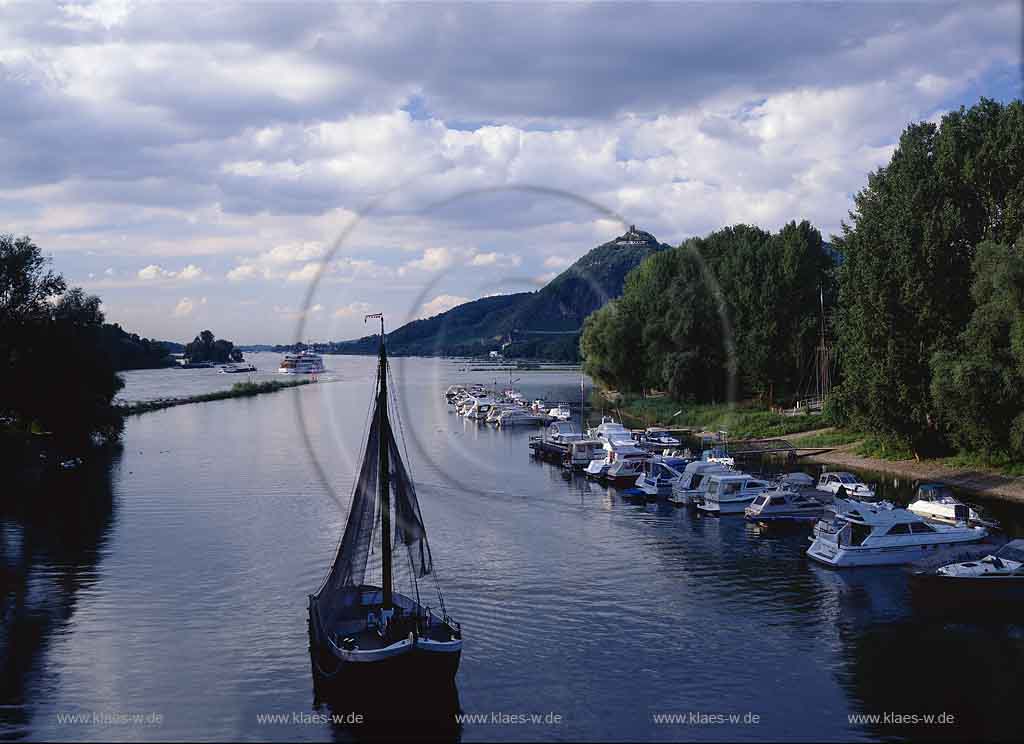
(978, 386)
(734, 313)
(908, 251)
(42, 327)
(207, 348)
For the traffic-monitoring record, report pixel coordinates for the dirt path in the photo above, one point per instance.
(976, 481)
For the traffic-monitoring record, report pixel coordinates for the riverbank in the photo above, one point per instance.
(238, 390)
(739, 421)
(839, 448)
(980, 481)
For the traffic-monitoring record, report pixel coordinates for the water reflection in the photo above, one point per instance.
(403, 712)
(53, 535)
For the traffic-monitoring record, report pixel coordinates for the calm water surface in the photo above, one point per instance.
(173, 580)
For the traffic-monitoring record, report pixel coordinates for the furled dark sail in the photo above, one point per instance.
(338, 598)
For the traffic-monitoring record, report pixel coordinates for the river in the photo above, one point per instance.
(172, 582)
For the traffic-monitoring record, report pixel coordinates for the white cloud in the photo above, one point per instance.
(352, 310)
(293, 313)
(495, 259)
(433, 259)
(307, 273)
(440, 304)
(247, 271)
(153, 272)
(184, 308)
(557, 262)
(153, 136)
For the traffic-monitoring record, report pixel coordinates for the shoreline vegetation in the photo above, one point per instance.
(909, 329)
(838, 446)
(238, 390)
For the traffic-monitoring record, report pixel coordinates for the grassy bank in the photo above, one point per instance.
(238, 390)
(741, 421)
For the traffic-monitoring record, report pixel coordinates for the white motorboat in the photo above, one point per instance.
(730, 493)
(662, 437)
(690, 488)
(659, 475)
(597, 467)
(478, 409)
(609, 428)
(517, 416)
(496, 410)
(787, 503)
(845, 485)
(237, 368)
(997, 576)
(857, 533)
(627, 465)
(935, 501)
(302, 363)
(719, 456)
(454, 392)
(561, 413)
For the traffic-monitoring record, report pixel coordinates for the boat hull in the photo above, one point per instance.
(829, 554)
(337, 670)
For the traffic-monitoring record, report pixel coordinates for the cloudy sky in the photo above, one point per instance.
(196, 164)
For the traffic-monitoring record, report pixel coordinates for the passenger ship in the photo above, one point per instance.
(303, 363)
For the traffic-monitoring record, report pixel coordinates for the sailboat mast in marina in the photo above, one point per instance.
(359, 629)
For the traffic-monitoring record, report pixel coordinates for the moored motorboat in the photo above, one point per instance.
(787, 503)
(560, 413)
(627, 465)
(857, 533)
(845, 485)
(935, 501)
(730, 493)
(364, 635)
(659, 475)
(997, 576)
(690, 488)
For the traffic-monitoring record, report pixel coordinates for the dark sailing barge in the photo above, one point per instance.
(360, 633)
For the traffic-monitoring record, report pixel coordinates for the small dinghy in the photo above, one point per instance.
(367, 637)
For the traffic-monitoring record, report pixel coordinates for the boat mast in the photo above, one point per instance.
(823, 355)
(383, 484)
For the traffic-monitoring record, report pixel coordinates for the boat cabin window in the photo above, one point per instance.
(859, 533)
(696, 480)
(899, 529)
(712, 488)
(847, 479)
(918, 527)
(732, 488)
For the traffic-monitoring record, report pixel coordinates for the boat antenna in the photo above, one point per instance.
(383, 484)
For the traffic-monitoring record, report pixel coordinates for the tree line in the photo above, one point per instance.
(58, 358)
(925, 305)
(54, 375)
(733, 314)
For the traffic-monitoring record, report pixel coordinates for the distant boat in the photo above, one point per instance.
(302, 363)
(234, 369)
(369, 637)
